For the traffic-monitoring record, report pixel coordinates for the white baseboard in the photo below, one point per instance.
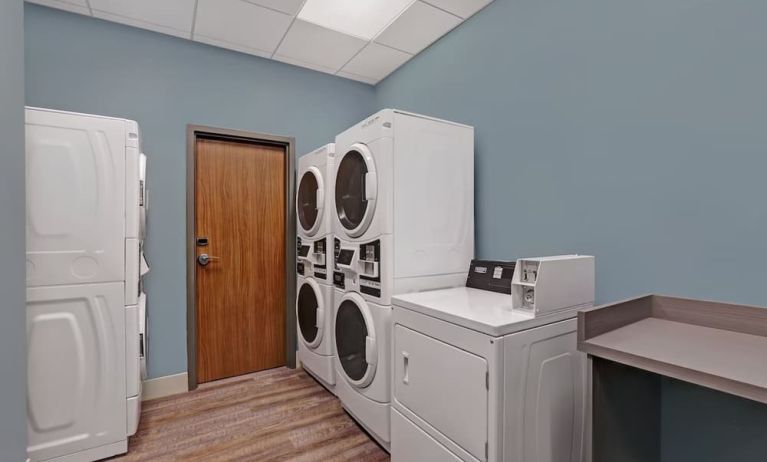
(165, 386)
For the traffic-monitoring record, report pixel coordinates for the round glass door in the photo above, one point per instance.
(310, 312)
(355, 340)
(356, 190)
(309, 200)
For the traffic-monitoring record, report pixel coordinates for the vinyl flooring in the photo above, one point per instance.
(275, 415)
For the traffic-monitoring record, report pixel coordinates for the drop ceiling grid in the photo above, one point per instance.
(272, 29)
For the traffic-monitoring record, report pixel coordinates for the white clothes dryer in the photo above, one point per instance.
(362, 333)
(313, 214)
(314, 314)
(410, 177)
(315, 171)
(85, 179)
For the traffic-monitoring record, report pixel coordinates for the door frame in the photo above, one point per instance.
(193, 132)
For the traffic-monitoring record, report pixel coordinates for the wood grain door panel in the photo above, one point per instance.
(240, 296)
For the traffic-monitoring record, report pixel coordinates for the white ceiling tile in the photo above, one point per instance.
(231, 46)
(142, 24)
(462, 8)
(417, 28)
(376, 61)
(359, 78)
(241, 23)
(173, 14)
(297, 62)
(316, 45)
(286, 6)
(74, 6)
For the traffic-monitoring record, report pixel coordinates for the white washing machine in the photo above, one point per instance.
(314, 290)
(362, 343)
(404, 203)
(85, 306)
(403, 221)
(475, 380)
(314, 315)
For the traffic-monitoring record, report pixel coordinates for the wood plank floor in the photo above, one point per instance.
(276, 415)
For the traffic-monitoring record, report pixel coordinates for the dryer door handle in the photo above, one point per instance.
(320, 199)
(405, 367)
(371, 186)
(370, 351)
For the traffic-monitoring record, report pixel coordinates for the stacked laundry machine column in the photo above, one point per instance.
(84, 316)
(314, 290)
(403, 222)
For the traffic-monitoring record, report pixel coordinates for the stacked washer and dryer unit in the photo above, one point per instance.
(314, 289)
(86, 311)
(403, 222)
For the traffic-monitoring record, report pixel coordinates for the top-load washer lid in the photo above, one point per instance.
(356, 340)
(310, 311)
(356, 189)
(310, 200)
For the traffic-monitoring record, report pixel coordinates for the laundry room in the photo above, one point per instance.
(373, 230)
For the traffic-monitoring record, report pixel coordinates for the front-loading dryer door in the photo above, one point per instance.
(356, 190)
(310, 200)
(310, 312)
(356, 340)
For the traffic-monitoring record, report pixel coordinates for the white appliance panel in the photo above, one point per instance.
(408, 441)
(143, 198)
(143, 318)
(444, 385)
(545, 410)
(76, 375)
(133, 410)
(433, 196)
(132, 352)
(75, 198)
(133, 260)
(132, 192)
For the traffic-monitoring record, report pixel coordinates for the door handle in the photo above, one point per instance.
(204, 259)
(405, 368)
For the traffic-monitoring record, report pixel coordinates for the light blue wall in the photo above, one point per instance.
(83, 64)
(635, 131)
(632, 130)
(13, 359)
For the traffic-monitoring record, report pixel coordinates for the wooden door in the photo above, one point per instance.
(240, 293)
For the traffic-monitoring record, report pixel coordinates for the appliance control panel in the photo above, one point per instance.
(301, 251)
(311, 258)
(320, 262)
(359, 263)
(339, 279)
(492, 275)
(369, 268)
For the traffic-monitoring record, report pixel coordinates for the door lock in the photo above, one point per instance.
(204, 259)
